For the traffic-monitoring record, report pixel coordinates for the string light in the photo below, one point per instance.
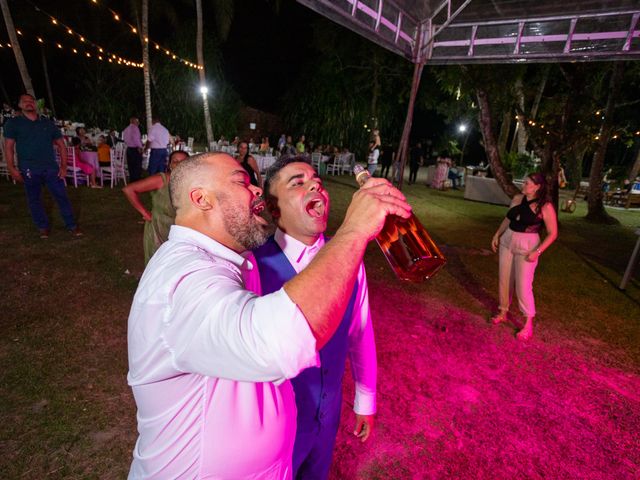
(98, 49)
(117, 17)
(174, 56)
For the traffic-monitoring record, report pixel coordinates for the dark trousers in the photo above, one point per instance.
(385, 170)
(454, 177)
(134, 162)
(158, 160)
(33, 183)
(413, 172)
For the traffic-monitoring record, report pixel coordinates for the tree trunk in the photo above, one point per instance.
(46, 80)
(404, 140)
(146, 67)
(201, 72)
(596, 212)
(574, 165)
(520, 136)
(17, 51)
(505, 128)
(375, 93)
(486, 126)
(635, 169)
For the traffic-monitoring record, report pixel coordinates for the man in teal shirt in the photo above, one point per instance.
(33, 137)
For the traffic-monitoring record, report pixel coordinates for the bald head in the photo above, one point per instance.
(212, 194)
(196, 171)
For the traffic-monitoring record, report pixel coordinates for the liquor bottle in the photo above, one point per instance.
(406, 244)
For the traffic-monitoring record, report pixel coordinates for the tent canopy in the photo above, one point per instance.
(493, 31)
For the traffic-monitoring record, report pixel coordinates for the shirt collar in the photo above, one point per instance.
(179, 233)
(294, 249)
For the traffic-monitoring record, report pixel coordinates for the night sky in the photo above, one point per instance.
(264, 51)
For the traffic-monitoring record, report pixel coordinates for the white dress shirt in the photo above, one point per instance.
(158, 136)
(362, 349)
(372, 159)
(208, 363)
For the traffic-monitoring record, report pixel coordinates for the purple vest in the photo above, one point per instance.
(318, 389)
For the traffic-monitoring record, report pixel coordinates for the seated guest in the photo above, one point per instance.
(300, 146)
(86, 168)
(453, 175)
(249, 164)
(112, 138)
(104, 151)
(264, 146)
(85, 143)
(289, 148)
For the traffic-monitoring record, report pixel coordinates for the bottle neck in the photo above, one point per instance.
(362, 177)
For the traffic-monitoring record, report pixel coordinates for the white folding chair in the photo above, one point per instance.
(189, 144)
(335, 167)
(316, 158)
(116, 169)
(73, 170)
(348, 163)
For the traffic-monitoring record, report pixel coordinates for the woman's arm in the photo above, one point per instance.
(149, 184)
(495, 241)
(253, 164)
(551, 224)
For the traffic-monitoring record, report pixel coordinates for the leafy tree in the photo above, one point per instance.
(352, 87)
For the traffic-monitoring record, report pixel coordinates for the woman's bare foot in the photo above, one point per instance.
(527, 331)
(498, 318)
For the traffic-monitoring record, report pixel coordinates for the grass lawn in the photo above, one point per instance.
(458, 397)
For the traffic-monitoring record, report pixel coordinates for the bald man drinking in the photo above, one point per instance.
(209, 361)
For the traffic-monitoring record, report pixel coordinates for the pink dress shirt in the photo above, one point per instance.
(208, 365)
(131, 136)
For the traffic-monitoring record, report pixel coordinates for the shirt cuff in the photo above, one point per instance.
(365, 402)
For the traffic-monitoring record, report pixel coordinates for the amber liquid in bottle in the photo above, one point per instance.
(406, 244)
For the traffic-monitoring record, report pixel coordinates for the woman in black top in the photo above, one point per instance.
(520, 248)
(249, 164)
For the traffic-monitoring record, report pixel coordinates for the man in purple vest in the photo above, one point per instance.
(300, 206)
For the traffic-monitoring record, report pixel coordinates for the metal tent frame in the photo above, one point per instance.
(498, 31)
(441, 32)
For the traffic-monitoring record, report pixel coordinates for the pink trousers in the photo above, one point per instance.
(516, 272)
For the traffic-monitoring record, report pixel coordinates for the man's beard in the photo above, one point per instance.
(241, 224)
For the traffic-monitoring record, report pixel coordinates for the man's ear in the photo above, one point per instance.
(272, 206)
(200, 199)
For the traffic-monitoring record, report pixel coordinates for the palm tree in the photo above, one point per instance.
(13, 37)
(146, 68)
(224, 16)
(201, 71)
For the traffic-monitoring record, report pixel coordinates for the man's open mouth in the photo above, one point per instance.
(316, 207)
(258, 207)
